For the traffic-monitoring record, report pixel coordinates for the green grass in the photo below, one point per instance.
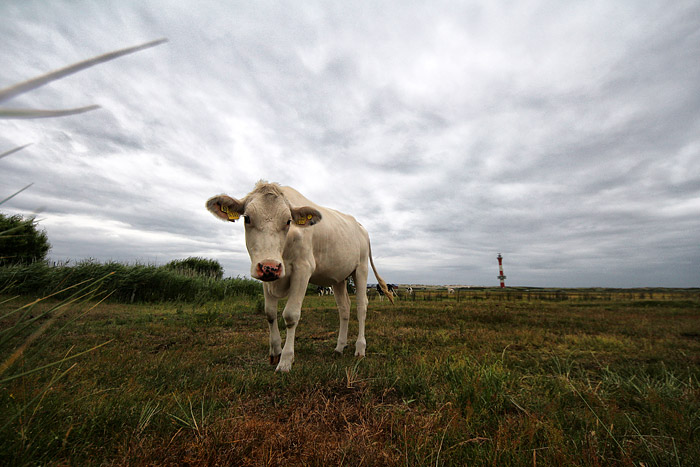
(469, 382)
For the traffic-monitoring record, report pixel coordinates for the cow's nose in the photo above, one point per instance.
(269, 270)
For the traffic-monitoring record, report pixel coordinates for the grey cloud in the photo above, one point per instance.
(567, 141)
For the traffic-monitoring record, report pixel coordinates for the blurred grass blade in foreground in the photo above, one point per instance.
(25, 86)
(12, 151)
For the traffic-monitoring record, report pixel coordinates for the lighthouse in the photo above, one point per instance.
(501, 277)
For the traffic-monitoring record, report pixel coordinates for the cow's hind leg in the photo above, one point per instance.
(340, 292)
(360, 277)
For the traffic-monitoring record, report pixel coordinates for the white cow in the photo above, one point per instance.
(293, 241)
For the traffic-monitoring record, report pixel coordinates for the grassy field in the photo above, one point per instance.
(483, 380)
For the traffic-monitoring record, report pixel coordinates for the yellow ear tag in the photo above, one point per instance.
(232, 216)
(301, 221)
(309, 216)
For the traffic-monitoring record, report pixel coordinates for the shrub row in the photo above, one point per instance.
(124, 283)
(195, 266)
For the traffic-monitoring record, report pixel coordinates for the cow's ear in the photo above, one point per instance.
(225, 208)
(305, 216)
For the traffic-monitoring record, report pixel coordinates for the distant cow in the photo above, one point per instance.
(381, 292)
(409, 290)
(390, 292)
(324, 291)
(450, 290)
(293, 241)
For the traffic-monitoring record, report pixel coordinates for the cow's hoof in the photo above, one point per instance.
(360, 349)
(339, 349)
(274, 359)
(283, 367)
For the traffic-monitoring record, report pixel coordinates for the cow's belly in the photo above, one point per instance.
(329, 277)
(332, 270)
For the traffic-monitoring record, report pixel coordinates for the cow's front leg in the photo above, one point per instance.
(291, 315)
(275, 339)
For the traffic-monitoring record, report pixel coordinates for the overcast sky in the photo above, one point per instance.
(564, 135)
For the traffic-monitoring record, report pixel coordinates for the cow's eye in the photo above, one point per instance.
(246, 219)
(289, 221)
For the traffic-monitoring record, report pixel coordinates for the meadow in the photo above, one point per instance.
(479, 378)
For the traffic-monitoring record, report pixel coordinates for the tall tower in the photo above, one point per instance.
(501, 277)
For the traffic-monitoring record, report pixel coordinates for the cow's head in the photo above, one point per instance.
(268, 218)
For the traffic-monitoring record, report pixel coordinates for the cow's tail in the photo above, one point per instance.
(381, 282)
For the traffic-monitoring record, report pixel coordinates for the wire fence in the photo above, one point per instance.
(549, 295)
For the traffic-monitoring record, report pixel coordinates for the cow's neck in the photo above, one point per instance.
(278, 288)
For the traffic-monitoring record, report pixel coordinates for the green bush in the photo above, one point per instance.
(124, 283)
(195, 266)
(21, 242)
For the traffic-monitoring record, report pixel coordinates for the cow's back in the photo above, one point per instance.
(339, 242)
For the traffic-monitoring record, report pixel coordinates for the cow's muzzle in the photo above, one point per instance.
(268, 271)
